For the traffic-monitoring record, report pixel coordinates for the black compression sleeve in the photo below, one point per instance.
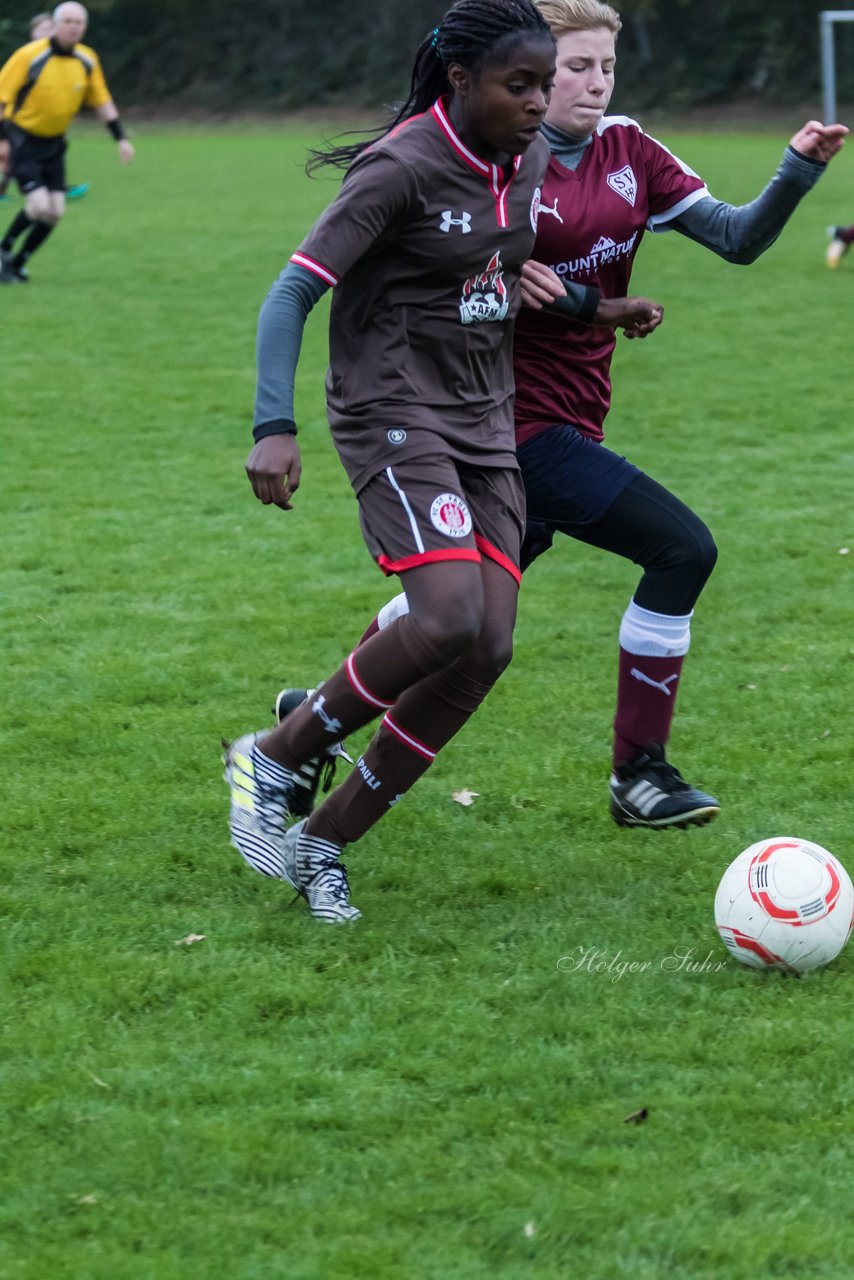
(580, 303)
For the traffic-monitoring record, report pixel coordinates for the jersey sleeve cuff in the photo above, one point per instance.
(278, 427)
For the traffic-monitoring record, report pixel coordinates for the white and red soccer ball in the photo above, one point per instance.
(785, 903)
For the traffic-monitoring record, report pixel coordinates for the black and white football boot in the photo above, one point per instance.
(318, 772)
(649, 792)
(312, 866)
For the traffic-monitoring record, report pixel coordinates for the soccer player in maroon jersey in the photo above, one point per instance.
(424, 247)
(607, 182)
(615, 182)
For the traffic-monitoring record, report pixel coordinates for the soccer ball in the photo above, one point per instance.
(785, 904)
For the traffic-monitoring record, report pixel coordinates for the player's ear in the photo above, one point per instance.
(459, 79)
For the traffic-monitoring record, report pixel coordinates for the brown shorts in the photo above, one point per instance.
(424, 510)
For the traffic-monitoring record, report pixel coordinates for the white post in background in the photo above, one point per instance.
(828, 60)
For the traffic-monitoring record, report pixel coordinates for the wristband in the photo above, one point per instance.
(580, 302)
(279, 427)
(589, 307)
(115, 128)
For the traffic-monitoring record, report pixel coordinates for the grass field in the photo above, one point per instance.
(430, 1095)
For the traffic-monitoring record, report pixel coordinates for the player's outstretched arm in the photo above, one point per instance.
(740, 233)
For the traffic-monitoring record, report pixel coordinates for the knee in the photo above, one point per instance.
(41, 211)
(493, 655)
(693, 555)
(451, 630)
(703, 554)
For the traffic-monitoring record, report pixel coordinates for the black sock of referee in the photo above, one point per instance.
(37, 236)
(18, 227)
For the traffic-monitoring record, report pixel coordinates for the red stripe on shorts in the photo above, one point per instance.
(492, 553)
(427, 557)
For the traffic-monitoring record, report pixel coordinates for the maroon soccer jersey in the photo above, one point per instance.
(590, 224)
(425, 244)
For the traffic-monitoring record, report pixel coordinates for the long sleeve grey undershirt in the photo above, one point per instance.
(738, 233)
(280, 329)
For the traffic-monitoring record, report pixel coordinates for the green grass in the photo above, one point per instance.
(426, 1096)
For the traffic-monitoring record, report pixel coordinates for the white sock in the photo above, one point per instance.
(396, 608)
(655, 635)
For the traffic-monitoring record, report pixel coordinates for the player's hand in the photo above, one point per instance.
(819, 141)
(274, 469)
(540, 285)
(127, 151)
(637, 317)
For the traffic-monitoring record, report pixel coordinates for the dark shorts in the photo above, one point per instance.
(36, 162)
(570, 482)
(421, 511)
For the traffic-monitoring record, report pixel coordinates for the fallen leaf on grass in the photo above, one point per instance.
(465, 796)
(636, 1117)
(100, 1083)
(190, 939)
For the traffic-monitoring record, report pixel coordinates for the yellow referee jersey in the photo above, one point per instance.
(42, 90)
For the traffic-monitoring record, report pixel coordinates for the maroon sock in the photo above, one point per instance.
(646, 698)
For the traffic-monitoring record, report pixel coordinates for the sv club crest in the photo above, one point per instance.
(624, 183)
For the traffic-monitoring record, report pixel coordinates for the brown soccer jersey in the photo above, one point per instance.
(424, 243)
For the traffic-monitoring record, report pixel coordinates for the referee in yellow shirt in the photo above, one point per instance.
(42, 87)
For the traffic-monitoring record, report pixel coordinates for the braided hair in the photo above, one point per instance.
(469, 34)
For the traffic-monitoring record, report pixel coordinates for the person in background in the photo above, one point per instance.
(40, 27)
(841, 240)
(42, 87)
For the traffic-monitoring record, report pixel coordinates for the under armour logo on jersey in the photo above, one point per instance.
(656, 684)
(329, 724)
(448, 221)
(544, 208)
(624, 183)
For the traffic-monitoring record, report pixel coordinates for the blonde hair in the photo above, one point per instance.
(578, 15)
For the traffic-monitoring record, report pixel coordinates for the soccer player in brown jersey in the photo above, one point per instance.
(424, 247)
(607, 182)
